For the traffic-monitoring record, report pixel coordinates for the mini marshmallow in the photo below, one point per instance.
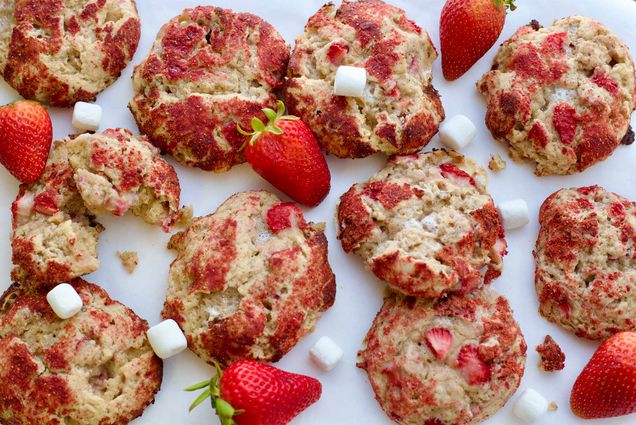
(64, 300)
(350, 81)
(167, 339)
(326, 354)
(530, 406)
(457, 132)
(514, 213)
(87, 116)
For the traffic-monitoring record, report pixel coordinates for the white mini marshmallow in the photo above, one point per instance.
(64, 300)
(87, 116)
(350, 81)
(530, 406)
(514, 213)
(326, 353)
(167, 339)
(457, 132)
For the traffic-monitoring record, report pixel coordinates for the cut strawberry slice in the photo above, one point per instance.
(474, 369)
(439, 340)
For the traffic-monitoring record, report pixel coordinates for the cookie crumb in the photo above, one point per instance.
(552, 407)
(552, 357)
(535, 25)
(628, 139)
(129, 260)
(496, 163)
(185, 217)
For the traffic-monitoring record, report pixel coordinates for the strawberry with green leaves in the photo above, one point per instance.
(607, 385)
(253, 393)
(26, 135)
(468, 29)
(285, 153)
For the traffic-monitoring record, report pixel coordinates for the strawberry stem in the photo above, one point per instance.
(508, 4)
(258, 127)
(224, 410)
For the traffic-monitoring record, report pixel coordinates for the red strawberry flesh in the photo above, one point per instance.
(473, 368)
(439, 340)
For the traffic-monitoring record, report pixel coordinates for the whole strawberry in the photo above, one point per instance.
(285, 153)
(253, 393)
(468, 29)
(25, 139)
(607, 385)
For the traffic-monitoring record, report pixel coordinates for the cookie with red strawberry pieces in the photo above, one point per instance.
(425, 224)
(586, 261)
(55, 232)
(561, 96)
(61, 52)
(249, 280)
(96, 367)
(400, 111)
(209, 70)
(454, 361)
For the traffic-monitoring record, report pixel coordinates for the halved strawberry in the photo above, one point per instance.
(474, 369)
(439, 340)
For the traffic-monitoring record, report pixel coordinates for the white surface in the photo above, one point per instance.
(166, 339)
(530, 406)
(87, 116)
(457, 132)
(350, 81)
(514, 214)
(326, 353)
(347, 397)
(64, 301)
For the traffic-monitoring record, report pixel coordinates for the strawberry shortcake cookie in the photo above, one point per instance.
(400, 111)
(586, 262)
(209, 70)
(425, 224)
(55, 232)
(561, 96)
(451, 362)
(94, 368)
(60, 52)
(249, 280)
